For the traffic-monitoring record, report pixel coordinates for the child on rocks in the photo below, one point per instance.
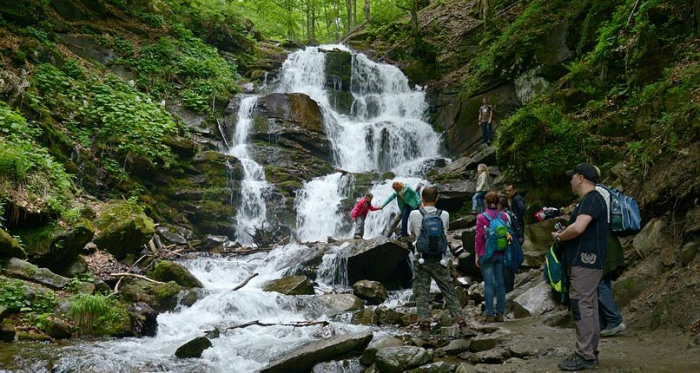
(359, 213)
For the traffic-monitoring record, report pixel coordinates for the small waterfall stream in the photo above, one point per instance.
(385, 131)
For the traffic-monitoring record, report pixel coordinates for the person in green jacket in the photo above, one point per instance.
(408, 200)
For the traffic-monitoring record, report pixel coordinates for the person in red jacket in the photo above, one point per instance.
(359, 213)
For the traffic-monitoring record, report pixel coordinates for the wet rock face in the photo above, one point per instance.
(144, 321)
(296, 285)
(54, 247)
(380, 259)
(9, 247)
(303, 359)
(193, 348)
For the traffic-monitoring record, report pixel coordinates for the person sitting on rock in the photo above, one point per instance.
(359, 213)
(428, 267)
(407, 199)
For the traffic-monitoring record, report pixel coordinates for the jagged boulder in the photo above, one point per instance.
(166, 270)
(56, 327)
(399, 359)
(122, 228)
(455, 193)
(535, 301)
(466, 265)
(380, 259)
(485, 342)
(296, 285)
(652, 238)
(9, 247)
(161, 297)
(54, 247)
(371, 291)
(193, 348)
(365, 316)
(436, 367)
(370, 353)
(302, 360)
(394, 316)
(21, 269)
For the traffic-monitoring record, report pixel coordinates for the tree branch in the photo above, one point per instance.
(242, 284)
(137, 276)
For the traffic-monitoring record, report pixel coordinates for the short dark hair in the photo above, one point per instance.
(429, 194)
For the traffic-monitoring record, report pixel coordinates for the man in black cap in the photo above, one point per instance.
(584, 242)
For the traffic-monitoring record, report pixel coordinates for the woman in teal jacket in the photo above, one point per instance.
(408, 200)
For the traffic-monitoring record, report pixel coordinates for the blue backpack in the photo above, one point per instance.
(496, 235)
(432, 241)
(623, 211)
(514, 257)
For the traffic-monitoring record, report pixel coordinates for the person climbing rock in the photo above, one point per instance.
(359, 213)
(407, 199)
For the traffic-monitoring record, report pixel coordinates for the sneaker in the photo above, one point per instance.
(576, 362)
(498, 318)
(464, 329)
(615, 331)
(487, 319)
(425, 330)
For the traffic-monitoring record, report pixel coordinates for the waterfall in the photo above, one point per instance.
(385, 131)
(251, 212)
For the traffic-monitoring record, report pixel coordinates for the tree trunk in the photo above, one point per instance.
(348, 7)
(367, 7)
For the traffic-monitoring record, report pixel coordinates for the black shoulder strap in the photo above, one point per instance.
(422, 211)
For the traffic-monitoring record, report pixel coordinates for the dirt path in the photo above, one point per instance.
(660, 351)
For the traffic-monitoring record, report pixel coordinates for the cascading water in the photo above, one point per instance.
(384, 131)
(252, 212)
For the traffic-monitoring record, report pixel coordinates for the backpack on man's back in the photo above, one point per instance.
(623, 211)
(432, 241)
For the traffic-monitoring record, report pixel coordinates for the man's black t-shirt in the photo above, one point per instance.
(589, 249)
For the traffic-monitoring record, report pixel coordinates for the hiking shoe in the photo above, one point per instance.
(611, 332)
(464, 329)
(498, 318)
(425, 330)
(487, 319)
(576, 362)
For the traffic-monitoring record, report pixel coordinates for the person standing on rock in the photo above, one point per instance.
(407, 199)
(433, 268)
(491, 266)
(482, 186)
(485, 120)
(584, 243)
(359, 213)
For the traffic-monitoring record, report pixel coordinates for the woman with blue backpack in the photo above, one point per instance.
(490, 247)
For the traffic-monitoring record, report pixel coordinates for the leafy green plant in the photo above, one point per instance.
(97, 314)
(44, 302)
(13, 294)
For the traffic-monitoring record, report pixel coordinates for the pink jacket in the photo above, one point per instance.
(482, 225)
(363, 208)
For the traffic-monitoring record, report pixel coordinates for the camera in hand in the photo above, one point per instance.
(559, 226)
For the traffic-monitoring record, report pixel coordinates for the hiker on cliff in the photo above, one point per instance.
(359, 213)
(482, 186)
(430, 226)
(485, 120)
(407, 199)
(489, 258)
(584, 243)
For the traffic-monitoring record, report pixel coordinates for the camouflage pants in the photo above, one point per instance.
(421, 288)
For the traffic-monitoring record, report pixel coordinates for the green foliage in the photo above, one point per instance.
(27, 171)
(185, 64)
(541, 139)
(13, 294)
(97, 314)
(109, 115)
(44, 302)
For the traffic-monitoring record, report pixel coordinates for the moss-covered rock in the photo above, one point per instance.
(54, 247)
(122, 228)
(170, 271)
(161, 297)
(21, 269)
(296, 285)
(7, 331)
(193, 348)
(9, 247)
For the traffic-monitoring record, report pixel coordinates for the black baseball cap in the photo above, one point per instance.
(587, 170)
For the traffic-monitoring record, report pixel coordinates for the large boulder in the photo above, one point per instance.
(144, 319)
(21, 269)
(9, 247)
(295, 285)
(166, 270)
(303, 359)
(652, 238)
(122, 228)
(455, 193)
(371, 291)
(535, 301)
(54, 247)
(161, 297)
(399, 359)
(370, 353)
(380, 259)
